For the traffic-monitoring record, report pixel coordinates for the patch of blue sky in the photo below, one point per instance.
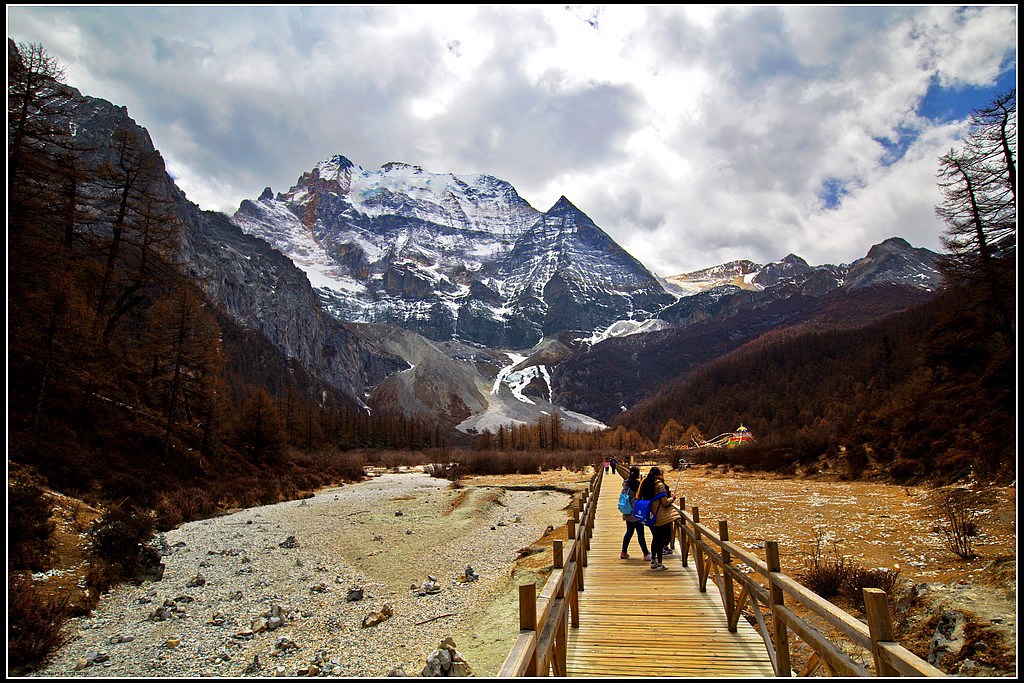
(942, 104)
(897, 145)
(832, 192)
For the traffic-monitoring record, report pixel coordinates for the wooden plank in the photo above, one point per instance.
(629, 609)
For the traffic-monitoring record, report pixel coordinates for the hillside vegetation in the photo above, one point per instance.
(925, 394)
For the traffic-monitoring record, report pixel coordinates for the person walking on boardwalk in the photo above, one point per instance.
(607, 463)
(633, 525)
(653, 488)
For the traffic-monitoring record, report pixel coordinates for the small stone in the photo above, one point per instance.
(172, 643)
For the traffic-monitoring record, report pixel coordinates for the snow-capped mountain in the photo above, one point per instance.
(737, 273)
(451, 257)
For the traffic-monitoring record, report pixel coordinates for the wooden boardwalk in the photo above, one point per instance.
(639, 622)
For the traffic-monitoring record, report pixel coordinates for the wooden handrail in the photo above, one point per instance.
(540, 648)
(714, 551)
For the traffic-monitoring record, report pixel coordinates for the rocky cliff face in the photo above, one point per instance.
(254, 284)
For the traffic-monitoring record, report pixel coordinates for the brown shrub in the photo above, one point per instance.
(29, 524)
(34, 624)
(860, 578)
(826, 573)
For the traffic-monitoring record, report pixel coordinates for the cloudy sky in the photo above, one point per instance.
(692, 135)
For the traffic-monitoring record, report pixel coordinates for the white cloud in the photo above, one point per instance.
(692, 135)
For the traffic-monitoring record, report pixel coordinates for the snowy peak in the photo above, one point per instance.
(895, 261)
(777, 271)
(450, 256)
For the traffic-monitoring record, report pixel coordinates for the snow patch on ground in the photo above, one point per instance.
(623, 328)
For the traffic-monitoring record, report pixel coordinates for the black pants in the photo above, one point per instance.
(638, 527)
(661, 536)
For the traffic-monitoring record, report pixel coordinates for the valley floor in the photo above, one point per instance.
(395, 530)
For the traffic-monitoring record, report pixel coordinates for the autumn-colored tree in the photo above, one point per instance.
(183, 359)
(258, 432)
(671, 434)
(136, 227)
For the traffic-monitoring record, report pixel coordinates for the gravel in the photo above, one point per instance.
(227, 577)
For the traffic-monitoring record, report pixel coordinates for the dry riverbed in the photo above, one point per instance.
(226, 577)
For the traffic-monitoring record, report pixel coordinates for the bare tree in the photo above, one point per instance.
(979, 188)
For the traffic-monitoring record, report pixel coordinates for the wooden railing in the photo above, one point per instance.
(540, 648)
(730, 566)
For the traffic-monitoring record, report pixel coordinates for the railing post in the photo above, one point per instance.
(727, 591)
(876, 604)
(528, 620)
(561, 647)
(698, 554)
(778, 598)
(556, 548)
(575, 553)
(684, 540)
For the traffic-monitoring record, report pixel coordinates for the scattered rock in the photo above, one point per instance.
(196, 581)
(254, 666)
(468, 576)
(428, 587)
(446, 661)
(948, 639)
(289, 542)
(355, 594)
(285, 644)
(374, 618)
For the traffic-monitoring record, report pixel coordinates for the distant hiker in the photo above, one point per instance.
(653, 488)
(629, 489)
(613, 463)
(607, 464)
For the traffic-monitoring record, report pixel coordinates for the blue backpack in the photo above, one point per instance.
(643, 512)
(625, 502)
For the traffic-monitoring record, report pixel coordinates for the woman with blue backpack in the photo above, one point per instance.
(633, 525)
(659, 515)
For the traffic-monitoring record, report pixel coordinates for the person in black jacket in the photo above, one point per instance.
(633, 525)
(654, 488)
